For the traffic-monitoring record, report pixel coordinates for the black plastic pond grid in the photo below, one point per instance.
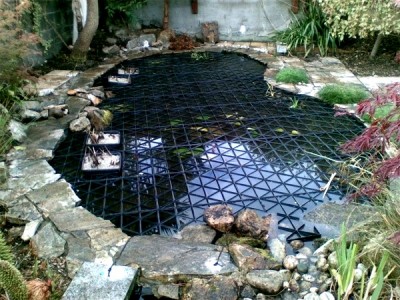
(203, 131)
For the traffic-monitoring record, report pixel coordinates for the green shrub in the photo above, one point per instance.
(342, 93)
(292, 75)
(309, 31)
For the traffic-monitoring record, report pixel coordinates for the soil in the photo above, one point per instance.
(355, 54)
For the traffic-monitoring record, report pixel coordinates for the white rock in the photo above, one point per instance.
(290, 262)
(30, 230)
(358, 274)
(301, 256)
(277, 248)
(306, 251)
(311, 296)
(321, 262)
(332, 260)
(325, 248)
(326, 296)
(362, 267)
(308, 277)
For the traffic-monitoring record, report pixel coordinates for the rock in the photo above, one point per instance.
(246, 258)
(261, 297)
(218, 287)
(357, 275)
(28, 115)
(17, 130)
(219, 217)
(111, 50)
(174, 259)
(133, 43)
(293, 285)
(57, 111)
(305, 286)
(311, 296)
(111, 41)
(248, 223)
(297, 244)
(80, 124)
(290, 262)
(332, 260)
(47, 243)
(325, 248)
(122, 34)
(54, 197)
(149, 38)
(277, 248)
(30, 229)
(170, 291)
(326, 296)
(22, 211)
(247, 292)
(308, 277)
(321, 262)
(306, 251)
(268, 281)
(3, 172)
(198, 233)
(289, 295)
(165, 37)
(303, 266)
(42, 138)
(79, 248)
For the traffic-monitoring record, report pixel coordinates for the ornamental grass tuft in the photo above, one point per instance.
(342, 93)
(292, 75)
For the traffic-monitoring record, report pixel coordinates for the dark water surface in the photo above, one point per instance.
(202, 132)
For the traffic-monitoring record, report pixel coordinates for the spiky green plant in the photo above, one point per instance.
(292, 75)
(12, 282)
(342, 93)
(5, 250)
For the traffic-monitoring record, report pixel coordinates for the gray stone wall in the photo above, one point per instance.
(260, 17)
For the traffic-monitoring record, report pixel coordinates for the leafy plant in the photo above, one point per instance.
(342, 93)
(292, 75)
(360, 18)
(344, 276)
(5, 250)
(12, 282)
(378, 137)
(199, 56)
(310, 31)
(122, 11)
(346, 256)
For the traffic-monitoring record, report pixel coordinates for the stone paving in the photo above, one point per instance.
(35, 196)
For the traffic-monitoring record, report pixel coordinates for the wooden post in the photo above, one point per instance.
(166, 14)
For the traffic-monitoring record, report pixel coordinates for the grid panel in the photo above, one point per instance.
(198, 133)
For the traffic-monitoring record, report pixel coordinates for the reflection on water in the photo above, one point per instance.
(231, 173)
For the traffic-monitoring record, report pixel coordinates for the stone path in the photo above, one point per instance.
(33, 194)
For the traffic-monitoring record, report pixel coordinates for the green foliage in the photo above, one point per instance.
(292, 75)
(309, 31)
(360, 18)
(342, 93)
(122, 11)
(12, 281)
(346, 256)
(5, 250)
(199, 56)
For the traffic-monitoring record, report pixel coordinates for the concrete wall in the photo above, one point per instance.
(261, 17)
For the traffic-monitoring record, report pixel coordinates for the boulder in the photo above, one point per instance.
(248, 223)
(218, 287)
(267, 281)
(17, 130)
(246, 258)
(47, 243)
(220, 217)
(80, 124)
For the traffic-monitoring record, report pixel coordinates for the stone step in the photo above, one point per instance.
(94, 281)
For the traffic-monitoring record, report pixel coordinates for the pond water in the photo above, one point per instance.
(204, 130)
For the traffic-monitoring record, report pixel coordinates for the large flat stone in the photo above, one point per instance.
(54, 197)
(44, 139)
(22, 211)
(167, 259)
(94, 281)
(76, 219)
